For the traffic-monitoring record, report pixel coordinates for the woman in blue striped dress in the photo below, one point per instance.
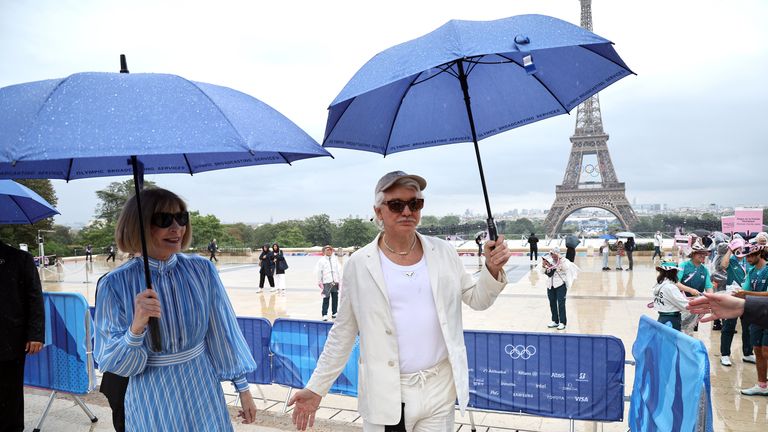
(178, 388)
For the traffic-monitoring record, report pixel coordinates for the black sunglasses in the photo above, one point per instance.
(164, 220)
(397, 206)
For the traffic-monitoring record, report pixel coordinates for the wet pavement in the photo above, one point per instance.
(600, 302)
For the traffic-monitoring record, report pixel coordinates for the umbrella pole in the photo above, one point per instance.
(154, 327)
(465, 88)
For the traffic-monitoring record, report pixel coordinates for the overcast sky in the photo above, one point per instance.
(689, 129)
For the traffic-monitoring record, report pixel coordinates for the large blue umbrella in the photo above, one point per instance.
(21, 205)
(516, 70)
(110, 124)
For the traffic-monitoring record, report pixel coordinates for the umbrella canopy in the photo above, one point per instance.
(109, 124)
(624, 234)
(89, 124)
(469, 80)
(702, 232)
(21, 205)
(608, 237)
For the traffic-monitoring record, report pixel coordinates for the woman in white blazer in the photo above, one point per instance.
(402, 295)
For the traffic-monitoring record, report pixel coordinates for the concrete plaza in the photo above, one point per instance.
(609, 303)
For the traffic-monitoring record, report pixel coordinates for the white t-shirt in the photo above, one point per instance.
(419, 338)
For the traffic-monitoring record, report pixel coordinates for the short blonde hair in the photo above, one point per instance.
(127, 231)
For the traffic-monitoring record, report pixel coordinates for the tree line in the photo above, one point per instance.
(315, 230)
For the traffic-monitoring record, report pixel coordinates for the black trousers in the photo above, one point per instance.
(656, 251)
(114, 388)
(334, 297)
(557, 304)
(112, 255)
(12, 395)
(267, 275)
(629, 258)
(213, 257)
(570, 253)
(534, 253)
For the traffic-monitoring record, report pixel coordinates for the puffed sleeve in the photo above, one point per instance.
(229, 353)
(116, 348)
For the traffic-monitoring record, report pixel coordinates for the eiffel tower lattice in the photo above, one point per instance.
(590, 180)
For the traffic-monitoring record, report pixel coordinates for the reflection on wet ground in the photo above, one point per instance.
(600, 302)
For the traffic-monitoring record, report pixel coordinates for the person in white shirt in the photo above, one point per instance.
(657, 245)
(668, 300)
(403, 296)
(328, 273)
(561, 273)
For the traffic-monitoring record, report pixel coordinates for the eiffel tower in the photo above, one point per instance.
(590, 180)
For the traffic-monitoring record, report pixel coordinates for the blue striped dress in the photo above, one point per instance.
(197, 324)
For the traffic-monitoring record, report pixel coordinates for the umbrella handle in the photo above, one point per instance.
(492, 233)
(138, 181)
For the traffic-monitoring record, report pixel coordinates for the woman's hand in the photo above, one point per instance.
(248, 413)
(306, 402)
(145, 305)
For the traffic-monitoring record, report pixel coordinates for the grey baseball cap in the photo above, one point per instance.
(390, 178)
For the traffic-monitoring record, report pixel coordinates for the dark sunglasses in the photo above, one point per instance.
(397, 206)
(164, 220)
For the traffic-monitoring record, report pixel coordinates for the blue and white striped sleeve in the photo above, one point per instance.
(116, 348)
(230, 354)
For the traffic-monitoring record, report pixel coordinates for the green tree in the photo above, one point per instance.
(355, 232)
(429, 221)
(99, 234)
(204, 229)
(317, 230)
(241, 235)
(113, 197)
(291, 237)
(26, 233)
(449, 220)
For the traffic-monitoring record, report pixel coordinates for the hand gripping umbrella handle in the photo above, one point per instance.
(154, 326)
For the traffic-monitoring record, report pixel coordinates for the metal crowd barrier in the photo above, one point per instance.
(65, 364)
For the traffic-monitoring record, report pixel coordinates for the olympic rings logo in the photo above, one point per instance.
(520, 351)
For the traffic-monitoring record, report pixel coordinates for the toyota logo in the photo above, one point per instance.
(520, 351)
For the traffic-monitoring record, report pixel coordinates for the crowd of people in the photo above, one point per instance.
(685, 292)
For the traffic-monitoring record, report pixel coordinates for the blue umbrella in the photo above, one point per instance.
(110, 124)
(608, 237)
(21, 205)
(516, 70)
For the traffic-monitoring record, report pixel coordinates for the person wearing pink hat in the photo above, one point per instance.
(735, 274)
(693, 275)
(757, 281)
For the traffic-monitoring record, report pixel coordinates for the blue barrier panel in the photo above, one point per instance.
(65, 362)
(576, 377)
(257, 333)
(296, 346)
(671, 391)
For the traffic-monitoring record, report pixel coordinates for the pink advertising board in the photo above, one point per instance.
(748, 220)
(728, 222)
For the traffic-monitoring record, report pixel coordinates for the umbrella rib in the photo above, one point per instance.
(444, 68)
(21, 209)
(69, 169)
(394, 117)
(189, 165)
(337, 121)
(540, 83)
(606, 58)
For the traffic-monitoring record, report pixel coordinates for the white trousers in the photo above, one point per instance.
(280, 281)
(430, 400)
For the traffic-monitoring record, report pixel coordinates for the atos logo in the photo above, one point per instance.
(520, 351)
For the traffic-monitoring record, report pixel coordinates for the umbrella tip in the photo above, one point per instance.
(123, 64)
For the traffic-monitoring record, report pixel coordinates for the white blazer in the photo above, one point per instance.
(365, 310)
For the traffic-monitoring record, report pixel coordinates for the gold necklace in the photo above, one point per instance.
(389, 248)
